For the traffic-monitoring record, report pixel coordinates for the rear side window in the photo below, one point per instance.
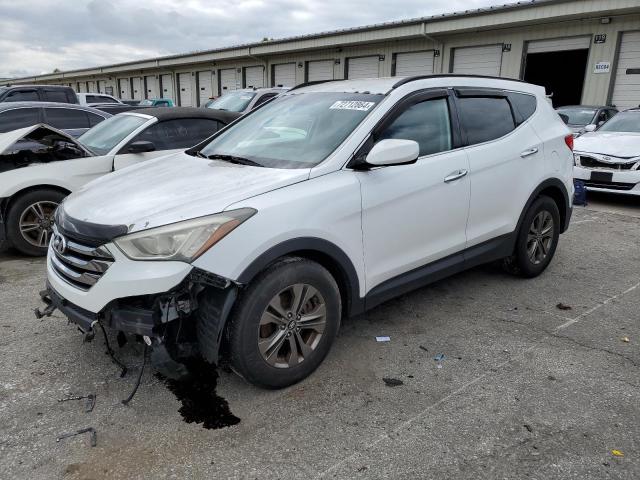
(99, 99)
(94, 118)
(264, 98)
(524, 105)
(18, 118)
(66, 118)
(22, 96)
(182, 133)
(59, 96)
(485, 119)
(426, 123)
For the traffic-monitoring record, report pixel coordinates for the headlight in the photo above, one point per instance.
(182, 241)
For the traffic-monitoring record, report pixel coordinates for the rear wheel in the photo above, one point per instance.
(30, 220)
(537, 240)
(284, 324)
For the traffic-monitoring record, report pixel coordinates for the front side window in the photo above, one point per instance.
(233, 101)
(22, 96)
(426, 123)
(295, 130)
(102, 138)
(59, 96)
(66, 118)
(179, 133)
(100, 99)
(485, 118)
(623, 122)
(264, 98)
(18, 118)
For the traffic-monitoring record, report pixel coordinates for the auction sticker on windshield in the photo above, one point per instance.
(351, 105)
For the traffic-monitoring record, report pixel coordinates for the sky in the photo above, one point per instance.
(38, 36)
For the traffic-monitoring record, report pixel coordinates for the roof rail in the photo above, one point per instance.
(315, 82)
(443, 75)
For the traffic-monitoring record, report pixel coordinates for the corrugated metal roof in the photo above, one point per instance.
(378, 26)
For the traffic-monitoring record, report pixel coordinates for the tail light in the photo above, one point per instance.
(569, 141)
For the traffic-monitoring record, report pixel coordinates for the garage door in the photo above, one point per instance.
(184, 89)
(136, 85)
(124, 88)
(626, 90)
(363, 67)
(284, 75)
(151, 87)
(478, 60)
(227, 80)
(166, 86)
(91, 86)
(559, 45)
(254, 77)
(414, 63)
(101, 86)
(205, 87)
(82, 87)
(319, 70)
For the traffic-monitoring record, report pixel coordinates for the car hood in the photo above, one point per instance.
(172, 188)
(9, 138)
(615, 144)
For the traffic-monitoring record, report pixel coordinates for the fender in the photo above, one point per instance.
(565, 209)
(324, 252)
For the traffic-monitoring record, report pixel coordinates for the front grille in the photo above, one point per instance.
(611, 185)
(78, 264)
(591, 162)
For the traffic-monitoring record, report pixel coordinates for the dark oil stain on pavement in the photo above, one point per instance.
(197, 392)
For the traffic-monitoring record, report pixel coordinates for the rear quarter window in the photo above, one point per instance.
(524, 105)
(485, 118)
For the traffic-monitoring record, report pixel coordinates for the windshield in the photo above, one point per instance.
(623, 122)
(294, 131)
(146, 102)
(233, 101)
(107, 134)
(578, 116)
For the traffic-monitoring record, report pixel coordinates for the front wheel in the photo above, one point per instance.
(537, 240)
(285, 323)
(30, 220)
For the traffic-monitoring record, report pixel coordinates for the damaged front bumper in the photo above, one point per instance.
(154, 300)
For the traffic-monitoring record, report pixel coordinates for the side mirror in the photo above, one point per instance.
(565, 118)
(393, 152)
(141, 146)
(590, 128)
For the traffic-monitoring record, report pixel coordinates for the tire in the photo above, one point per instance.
(33, 210)
(280, 284)
(535, 246)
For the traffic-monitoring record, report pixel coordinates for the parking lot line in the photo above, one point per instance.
(462, 388)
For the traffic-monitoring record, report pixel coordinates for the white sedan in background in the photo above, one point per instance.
(40, 165)
(608, 159)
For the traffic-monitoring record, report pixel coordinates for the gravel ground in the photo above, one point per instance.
(526, 390)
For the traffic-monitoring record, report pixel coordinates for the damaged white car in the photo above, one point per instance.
(326, 201)
(608, 159)
(40, 165)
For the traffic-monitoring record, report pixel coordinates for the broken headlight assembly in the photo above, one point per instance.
(182, 241)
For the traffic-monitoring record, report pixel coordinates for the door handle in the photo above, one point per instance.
(452, 177)
(531, 151)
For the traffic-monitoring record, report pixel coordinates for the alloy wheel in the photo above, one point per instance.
(292, 326)
(36, 223)
(540, 237)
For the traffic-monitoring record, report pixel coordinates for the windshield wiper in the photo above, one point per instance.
(234, 159)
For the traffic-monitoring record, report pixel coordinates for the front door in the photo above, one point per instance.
(413, 215)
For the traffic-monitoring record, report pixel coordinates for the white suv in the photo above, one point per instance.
(318, 205)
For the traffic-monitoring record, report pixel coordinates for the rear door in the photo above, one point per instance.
(506, 159)
(413, 215)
